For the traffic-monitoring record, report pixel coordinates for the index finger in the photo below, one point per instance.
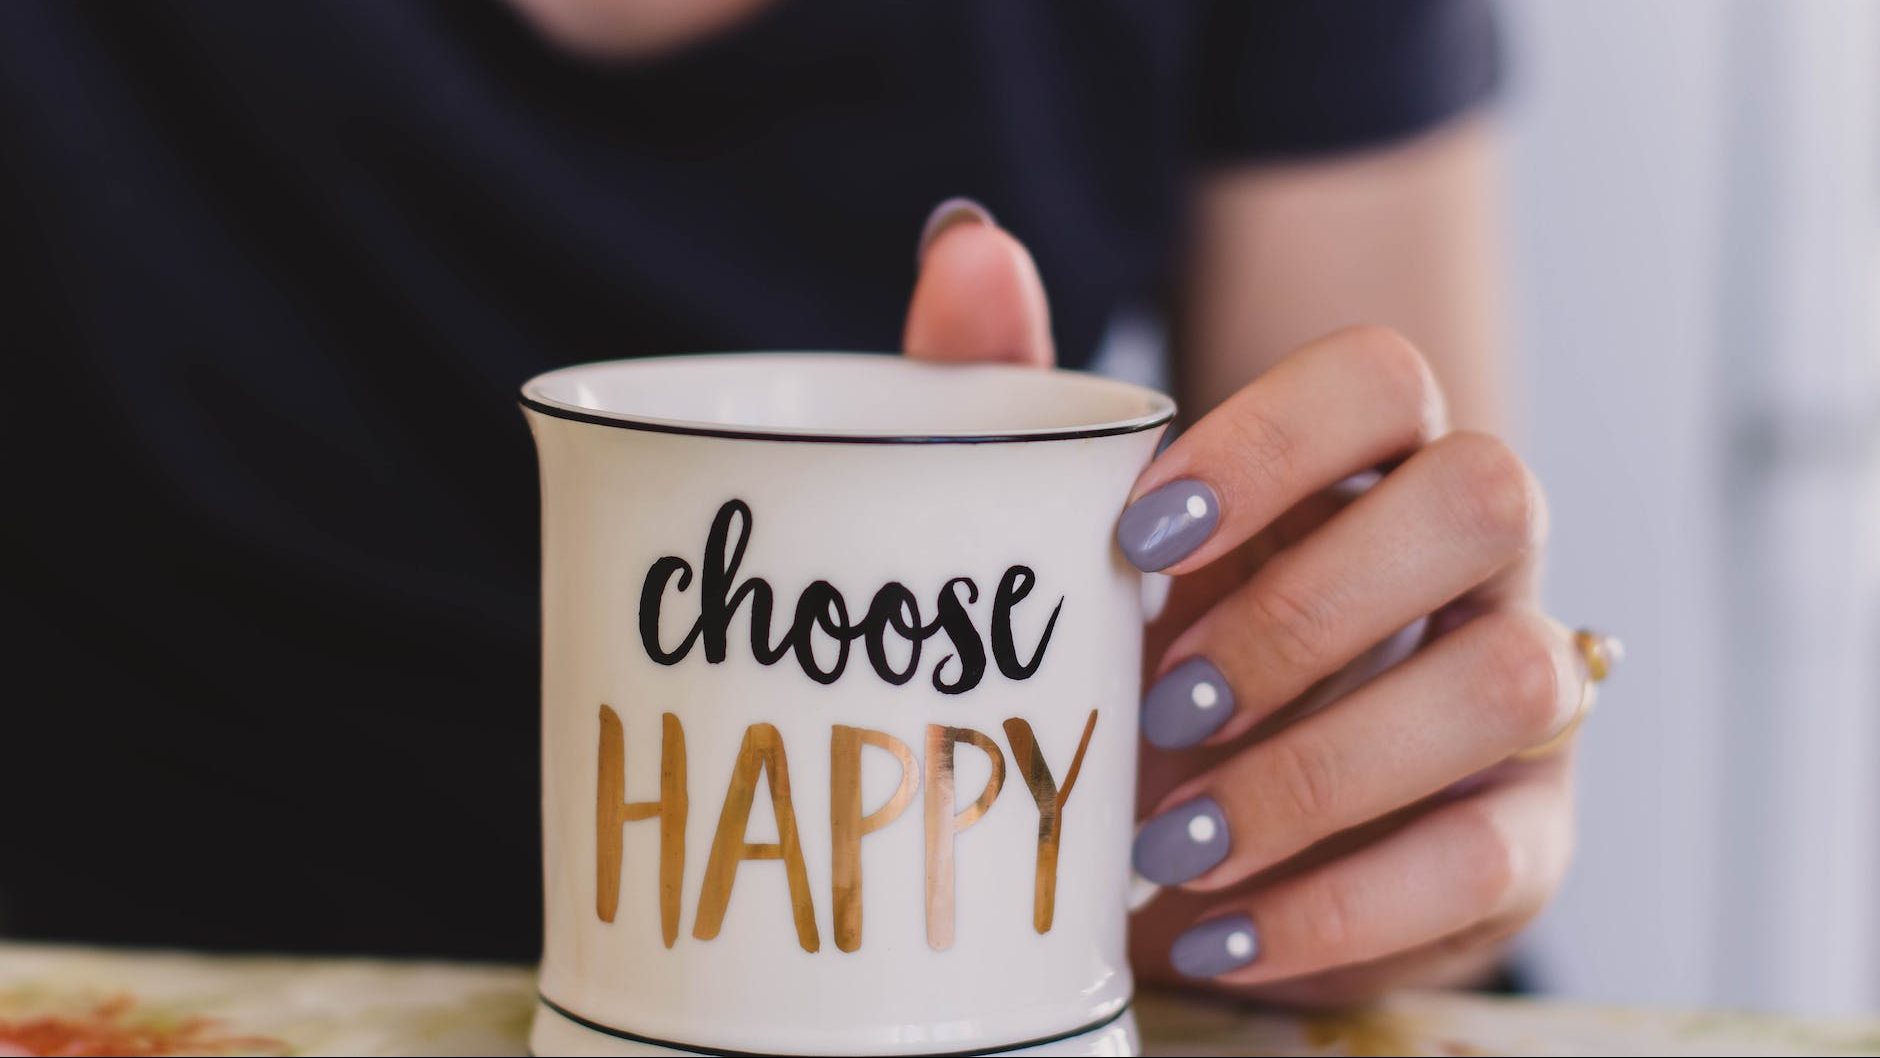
(1347, 402)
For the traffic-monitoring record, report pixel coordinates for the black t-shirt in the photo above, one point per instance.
(275, 271)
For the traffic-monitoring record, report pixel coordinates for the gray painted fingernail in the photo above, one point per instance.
(1182, 843)
(945, 215)
(1216, 946)
(1167, 525)
(1187, 705)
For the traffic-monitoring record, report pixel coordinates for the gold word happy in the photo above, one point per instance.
(761, 757)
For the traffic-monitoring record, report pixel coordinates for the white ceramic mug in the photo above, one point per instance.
(841, 669)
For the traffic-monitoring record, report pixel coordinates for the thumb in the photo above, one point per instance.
(978, 296)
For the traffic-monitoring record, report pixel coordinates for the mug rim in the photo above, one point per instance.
(534, 397)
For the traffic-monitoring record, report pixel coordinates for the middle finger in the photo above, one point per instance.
(1455, 514)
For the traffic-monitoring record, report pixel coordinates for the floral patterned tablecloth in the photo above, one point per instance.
(84, 1001)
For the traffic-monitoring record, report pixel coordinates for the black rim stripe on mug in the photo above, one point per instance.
(692, 1048)
(1134, 426)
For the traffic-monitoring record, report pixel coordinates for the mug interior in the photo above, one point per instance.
(845, 397)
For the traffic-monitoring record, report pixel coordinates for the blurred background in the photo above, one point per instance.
(1695, 210)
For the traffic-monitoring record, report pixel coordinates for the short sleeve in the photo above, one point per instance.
(1292, 77)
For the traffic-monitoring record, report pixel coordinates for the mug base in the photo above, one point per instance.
(555, 1033)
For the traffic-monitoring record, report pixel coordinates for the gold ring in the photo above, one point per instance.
(1599, 653)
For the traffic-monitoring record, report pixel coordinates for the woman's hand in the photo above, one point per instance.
(1327, 849)
(1328, 824)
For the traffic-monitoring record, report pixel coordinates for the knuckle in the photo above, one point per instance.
(1304, 772)
(1378, 344)
(1495, 495)
(1487, 856)
(1262, 446)
(1293, 620)
(1328, 915)
(1393, 364)
(1523, 672)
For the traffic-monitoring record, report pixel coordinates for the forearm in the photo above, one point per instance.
(1404, 236)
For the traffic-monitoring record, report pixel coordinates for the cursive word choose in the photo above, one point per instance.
(892, 612)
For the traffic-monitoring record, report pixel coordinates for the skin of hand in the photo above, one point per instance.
(1324, 830)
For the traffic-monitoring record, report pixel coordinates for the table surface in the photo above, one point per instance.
(83, 1001)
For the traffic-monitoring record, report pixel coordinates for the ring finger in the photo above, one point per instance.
(1461, 511)
(1502, 682)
